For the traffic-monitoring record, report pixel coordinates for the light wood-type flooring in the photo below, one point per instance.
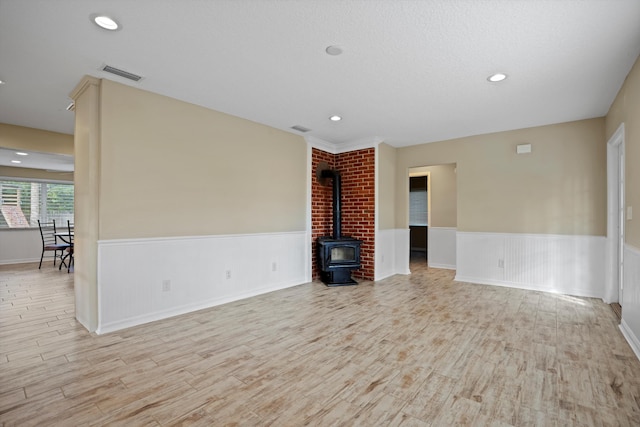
(418, 350)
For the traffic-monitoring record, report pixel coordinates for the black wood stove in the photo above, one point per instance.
(337, 255)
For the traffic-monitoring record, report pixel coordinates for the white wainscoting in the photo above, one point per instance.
(201, 272)
(20, 246)
(572, 265)
(630, 324)
(442, 247)
(392, 253)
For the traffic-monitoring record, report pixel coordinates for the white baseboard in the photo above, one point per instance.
(530, 287)
(631, 338)
(572, 265)
(187, 308)
(24, 261)
(443, 266)
(200, 272)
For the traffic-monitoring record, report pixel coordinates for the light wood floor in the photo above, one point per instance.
(417, 350)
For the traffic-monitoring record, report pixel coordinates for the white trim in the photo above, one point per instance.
(631, 338)
(131, 273)
(309, 216)
(377, 261)
(357, 144)
(183, 238)
(565, 264)
(24, 261)
(530, 287)
(614, 145)
(184, 309)
(321, 144)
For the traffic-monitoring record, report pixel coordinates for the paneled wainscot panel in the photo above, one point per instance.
(572, 265)
(142, 280)
(392, 253)
(630, 324)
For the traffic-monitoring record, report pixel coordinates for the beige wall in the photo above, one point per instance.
(559, 188)
(386, 186)
(28, 173)
(626, 108)
(30, 139)
(443, 194)
(169, 168)
(87, 192)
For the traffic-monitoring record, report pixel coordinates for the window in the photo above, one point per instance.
(23, 203)
(418, 207)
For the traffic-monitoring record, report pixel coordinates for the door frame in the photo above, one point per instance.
(615, 217)
(428, 175)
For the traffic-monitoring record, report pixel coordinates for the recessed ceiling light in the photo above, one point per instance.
(16, 161)
(334, 50)
(105, 22)
(2, 82)
(498, 77)
(335, 118)
(20, 153)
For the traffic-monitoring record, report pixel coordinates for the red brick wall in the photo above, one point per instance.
(358, 204)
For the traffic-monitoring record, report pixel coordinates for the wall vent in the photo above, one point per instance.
(121, 73)
(300, 128)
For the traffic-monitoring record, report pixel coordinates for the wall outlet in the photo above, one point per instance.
(274, 266)
(166, 285)
(501, 263)
(228, 274)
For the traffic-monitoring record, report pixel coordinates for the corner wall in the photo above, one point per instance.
(626, 109)
(357, 169)
(21, 246)
(515, 213)
(181, 207)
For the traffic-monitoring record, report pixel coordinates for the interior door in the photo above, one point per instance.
(621, 222)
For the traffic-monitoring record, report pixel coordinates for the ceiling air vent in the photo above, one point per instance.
(121, 73)
(300, 128)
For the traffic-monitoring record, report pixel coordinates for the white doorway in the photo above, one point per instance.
(441, 213)
(419, 210)
(616, 216)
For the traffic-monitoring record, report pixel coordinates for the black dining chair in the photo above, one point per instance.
(67, 259)
(50, 242)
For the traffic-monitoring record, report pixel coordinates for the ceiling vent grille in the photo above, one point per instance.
(300, 128)
(121, 73)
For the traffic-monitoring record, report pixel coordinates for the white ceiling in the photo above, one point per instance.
(411, 71)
